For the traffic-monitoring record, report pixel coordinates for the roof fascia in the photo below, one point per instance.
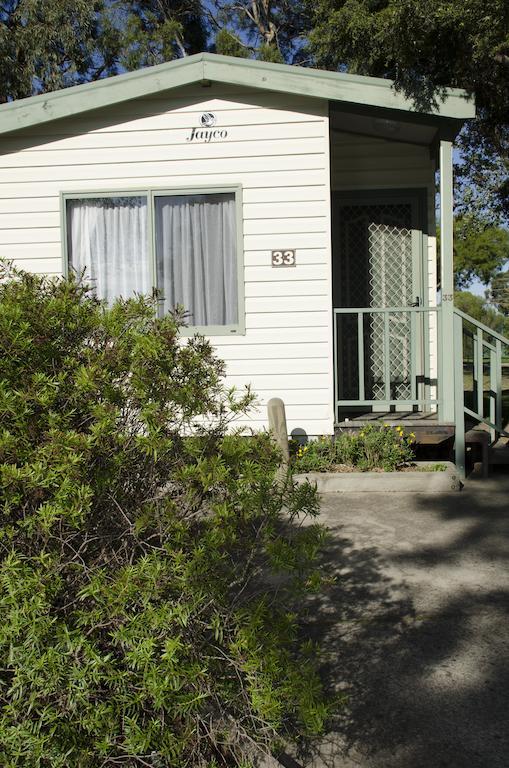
(333, 86)
(78, 99)
(369, 92)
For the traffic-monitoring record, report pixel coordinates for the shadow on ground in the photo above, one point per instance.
(415, 630)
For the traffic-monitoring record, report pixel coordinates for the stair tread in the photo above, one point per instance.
(500, 446)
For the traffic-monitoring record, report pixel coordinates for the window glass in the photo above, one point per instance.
(196, 256)
(107, 240)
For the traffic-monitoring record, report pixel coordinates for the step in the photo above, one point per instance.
(496, 454)
(499, 452)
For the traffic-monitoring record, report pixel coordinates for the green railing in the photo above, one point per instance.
(479, 354)
(383, 355)
(385, 359)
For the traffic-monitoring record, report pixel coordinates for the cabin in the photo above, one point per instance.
(291, 211)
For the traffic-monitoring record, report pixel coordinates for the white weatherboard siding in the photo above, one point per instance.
(278, 150)
(371, 163)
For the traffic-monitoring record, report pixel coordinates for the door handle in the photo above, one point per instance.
(416, 303)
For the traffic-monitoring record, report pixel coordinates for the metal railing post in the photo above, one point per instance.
(498, 402)
(387, 359)
(493, 394)
(360, 353)
(336, 366)
(479, 370)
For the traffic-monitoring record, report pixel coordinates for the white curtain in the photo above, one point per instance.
(196, 256)
(107, 238)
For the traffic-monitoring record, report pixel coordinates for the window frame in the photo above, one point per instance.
(238, 328)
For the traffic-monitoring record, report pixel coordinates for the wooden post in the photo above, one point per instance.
(277, 426)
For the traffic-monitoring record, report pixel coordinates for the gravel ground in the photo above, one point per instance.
(415, 631)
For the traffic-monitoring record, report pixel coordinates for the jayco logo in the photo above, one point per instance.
(208, 131)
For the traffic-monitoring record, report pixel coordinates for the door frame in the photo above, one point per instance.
(418, 198)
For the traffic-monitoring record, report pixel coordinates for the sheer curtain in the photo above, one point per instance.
(196, 256)
(107, 239)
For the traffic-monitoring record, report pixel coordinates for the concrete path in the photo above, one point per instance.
(415, 631)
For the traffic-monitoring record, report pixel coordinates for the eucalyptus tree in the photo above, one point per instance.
(272, 30)
(51, 44)
(46, 44)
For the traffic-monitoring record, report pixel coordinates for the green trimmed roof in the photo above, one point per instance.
(332, 86)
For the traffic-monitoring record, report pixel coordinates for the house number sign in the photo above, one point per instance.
(284, 258)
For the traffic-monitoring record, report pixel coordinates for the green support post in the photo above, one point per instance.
(447, 400)
(459, 404)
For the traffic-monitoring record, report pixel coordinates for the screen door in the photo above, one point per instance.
(377, 265)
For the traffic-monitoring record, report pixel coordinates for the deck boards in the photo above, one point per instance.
(409, 419)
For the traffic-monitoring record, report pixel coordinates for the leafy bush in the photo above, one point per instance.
(150, 580)
(373, 447)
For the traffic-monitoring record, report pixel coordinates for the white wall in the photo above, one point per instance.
(277, 148)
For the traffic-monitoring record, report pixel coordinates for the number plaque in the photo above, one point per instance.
(284, 258)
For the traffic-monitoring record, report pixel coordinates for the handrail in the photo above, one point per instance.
(372, 310)
(486, 421)
(476, 409)
(484, 328)
(417, 388)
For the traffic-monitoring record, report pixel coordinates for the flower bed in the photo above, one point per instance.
(374, 448)
(375, 459)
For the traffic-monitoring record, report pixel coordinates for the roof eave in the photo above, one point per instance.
(282, 78)
(333, 86)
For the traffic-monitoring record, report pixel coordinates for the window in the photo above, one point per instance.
(196, 256)
(107, 240)
(186, 244)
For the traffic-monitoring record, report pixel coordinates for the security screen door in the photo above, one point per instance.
(377, 264)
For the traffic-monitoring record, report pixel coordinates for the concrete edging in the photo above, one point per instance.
(386, 482)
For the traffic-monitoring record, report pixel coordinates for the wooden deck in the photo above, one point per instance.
(412, 420)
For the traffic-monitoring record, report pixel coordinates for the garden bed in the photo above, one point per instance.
(419, 477)
(378, 458)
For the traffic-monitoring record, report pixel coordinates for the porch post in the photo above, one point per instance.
(446, 368)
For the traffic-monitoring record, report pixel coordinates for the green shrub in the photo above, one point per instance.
(373, 447)
(150, 579)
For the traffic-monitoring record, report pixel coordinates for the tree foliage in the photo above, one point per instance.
(45, 44)
(478, 308)
(147, 32)
(271, 30)
(152, 574)
(498, 293)
(479, 253)
(50, 44)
